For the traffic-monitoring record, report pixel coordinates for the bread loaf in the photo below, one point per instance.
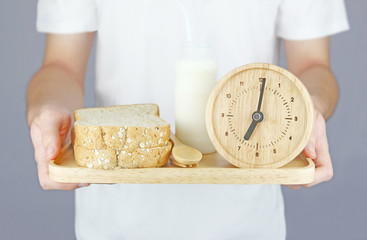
(128, 136)
(126, 126)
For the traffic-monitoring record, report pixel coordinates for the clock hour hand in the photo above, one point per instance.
(256, 118)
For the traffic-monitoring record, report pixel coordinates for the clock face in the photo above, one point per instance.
(259, 115)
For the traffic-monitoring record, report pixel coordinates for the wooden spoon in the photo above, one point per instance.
(183, 155)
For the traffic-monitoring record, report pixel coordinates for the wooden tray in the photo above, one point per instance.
(212, 169)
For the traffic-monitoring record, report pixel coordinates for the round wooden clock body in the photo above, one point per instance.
(285, 106)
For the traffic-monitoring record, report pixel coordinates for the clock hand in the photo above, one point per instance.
(256, 116)
(250, 129)
(261, 94)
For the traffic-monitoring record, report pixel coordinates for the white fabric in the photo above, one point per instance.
(137, 45)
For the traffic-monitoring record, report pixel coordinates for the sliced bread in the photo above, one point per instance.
(127, 136)
(119, 127)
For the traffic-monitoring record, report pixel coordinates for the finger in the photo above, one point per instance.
(45, 181)
(323, 170)
(36, 136)
(310, 149)
(65, 130)
(294, 187)
(323, 163)
(48, 184)
(50, 127)
(42, 164)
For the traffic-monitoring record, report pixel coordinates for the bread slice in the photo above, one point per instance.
(120, 127)
(128, 158)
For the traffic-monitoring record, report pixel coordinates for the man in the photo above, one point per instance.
(138, 42)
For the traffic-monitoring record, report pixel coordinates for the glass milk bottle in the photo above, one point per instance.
(196, 72)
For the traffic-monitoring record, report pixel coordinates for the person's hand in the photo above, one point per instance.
(49, 129)
(318, 150)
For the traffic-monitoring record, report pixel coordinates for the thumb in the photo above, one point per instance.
(310, 149)
(51, 139)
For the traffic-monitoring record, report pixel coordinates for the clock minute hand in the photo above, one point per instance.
(256, 116)
(261, 94)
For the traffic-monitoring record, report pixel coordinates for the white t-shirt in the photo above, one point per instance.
(138, 42)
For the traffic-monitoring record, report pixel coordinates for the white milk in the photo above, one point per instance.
(196, 73)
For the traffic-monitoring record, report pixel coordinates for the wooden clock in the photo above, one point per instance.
(259, 116)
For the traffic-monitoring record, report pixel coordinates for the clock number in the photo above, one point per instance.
(226, 134)
(274, 151)
(290, 138)
(296, 119)
(292, 99)
(228, 95)
(279, 84)
(239, 147)
(222, 114)
(241, 83)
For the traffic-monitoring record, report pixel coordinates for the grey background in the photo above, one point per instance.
(333, 210)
